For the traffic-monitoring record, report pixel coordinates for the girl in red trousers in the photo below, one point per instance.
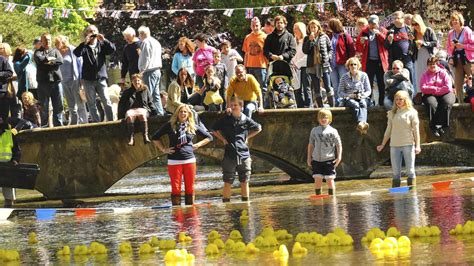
(181, 130)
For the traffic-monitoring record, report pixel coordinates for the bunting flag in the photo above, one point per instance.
(249, 13)
(300, 8)
(284, 9)
(116, 14)
(358, 3)
(228, 12)
(339, 5)
(135, 14)
(265, 10)
(320, 7)
(154, 12)
(48, 13)
(65, 13)
(29, 10)
(10, 7)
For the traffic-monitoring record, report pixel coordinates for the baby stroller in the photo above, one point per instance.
(280, 91)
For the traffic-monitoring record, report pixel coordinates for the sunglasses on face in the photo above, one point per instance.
(396, 68)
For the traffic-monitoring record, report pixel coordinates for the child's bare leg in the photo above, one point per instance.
(318, 182)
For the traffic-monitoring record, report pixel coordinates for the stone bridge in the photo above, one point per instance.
(86, 160)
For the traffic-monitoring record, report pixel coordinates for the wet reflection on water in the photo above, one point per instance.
(293, 211)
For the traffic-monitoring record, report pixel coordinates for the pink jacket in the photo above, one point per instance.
(438, 83)
(468, 43)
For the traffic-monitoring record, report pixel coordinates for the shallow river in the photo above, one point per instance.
(282, 207)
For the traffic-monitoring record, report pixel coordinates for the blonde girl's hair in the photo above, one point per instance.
(406, 97)
(325, 113)
(353, 60)
(30, 98)
(302, 27)
(315, 23)
(61, 42)
(6, 48)
(191, 127)
(418, 20)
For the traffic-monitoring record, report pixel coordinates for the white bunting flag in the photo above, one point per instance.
(358, 3)
(135, 14)
(339, 5)
(265, 10)
(48, 13)
(301, 8)
(154, 12)
(249, 13)
(320, 7)
(116, 14)
(228, 12)
(10, 7)
(65, 13)
(102, 12)
(284, 9)
(30, 10)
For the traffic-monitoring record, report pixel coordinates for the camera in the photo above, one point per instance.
(455, 41)
(93, 36)
(391, 31)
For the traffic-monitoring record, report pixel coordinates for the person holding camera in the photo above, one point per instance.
(93, 51)
(460, 48)
(354, 89)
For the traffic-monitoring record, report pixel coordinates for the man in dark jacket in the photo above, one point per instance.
(93, 50)
(9, 104)
(280, 44)
(48, 59)
(130, 54)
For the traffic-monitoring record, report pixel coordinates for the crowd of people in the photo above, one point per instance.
(318, 65)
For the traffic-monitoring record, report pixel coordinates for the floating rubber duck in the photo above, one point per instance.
(467, 228)
(268, 231)
(339, 232)
(126, 247)
(404, 242)
(298, 250)
(333, 239)
(435, 231)
(283, 235)
(213, 235)
(314, 237)
(9, 255)
(346, 240)
(167, 244)
(229, 245)
(235, 235)
(154, 241)
(259, 241)
(376, 245)
(244, 217)
(303, 237)
(219, 243)
(182, 237)
(146, 249)
(251, 249)
(97, 248)
(282, 252)
(211, 250)
(81, 250)
(272, 241)
(178, 256)
(32, 238)
(239, 247)
(393, 232)
(392, 240)
(323, 242)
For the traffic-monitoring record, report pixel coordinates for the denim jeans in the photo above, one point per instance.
(93, 87)
(358, 107)
(249, 108)
(53, 90)
(336, 75)
(152, 80)
(408, 154)
(303, 94)
(260, 75)
(316, 87)
(387, 103)
(77, 109)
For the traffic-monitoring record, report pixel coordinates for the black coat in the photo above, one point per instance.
(325, 50)
(9, 104)
(132, 98)
(94, 69)
(48, 70)
(283, 44)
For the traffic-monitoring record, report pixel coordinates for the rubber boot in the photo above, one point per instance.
(8, 203)
(144, 126)
(331, 191)
(189, 199)
(175, 200)
(411, 181)
(245, 198)
(130, 133)
(317, 191)
(396, 182)
(225, 200)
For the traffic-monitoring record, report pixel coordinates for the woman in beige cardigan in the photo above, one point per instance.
(181, 91)
(404, 133)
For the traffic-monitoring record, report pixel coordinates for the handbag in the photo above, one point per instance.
(317, 54)
(213, 97)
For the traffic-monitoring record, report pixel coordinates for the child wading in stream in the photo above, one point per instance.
(324, 152)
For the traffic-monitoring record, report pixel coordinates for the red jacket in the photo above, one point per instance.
(364, 48)
(341, 55)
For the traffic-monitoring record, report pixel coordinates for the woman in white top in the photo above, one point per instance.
(404, 133)
(298, 63)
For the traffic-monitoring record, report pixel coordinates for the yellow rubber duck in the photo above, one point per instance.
(154, 241)
(178, 256)
(251, 249)
(404, 242)
(283, 235)
(314, 237)
(32, 238)
(146, 248)
(272, 241)
(392, 240)
(298, 250)
(235, 235)
(182, 237)
(211, 250)
(346, 240)
(393, 232)
(376, 244)
(244, 217)
(333, 239)
(126, 247)
(268, 231)
(81, 250)
(64, 251)
(213, 235)
(219, 243)
(259, 241)
(412, 232)
(239, 247)
(167, 244)
(303, 237)
(282, 252)
(435, 231)
(339, 232)
(229, 245)
(10, 255)
(324, 242)
(97, 248)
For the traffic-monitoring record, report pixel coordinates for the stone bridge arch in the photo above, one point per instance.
(86, 160)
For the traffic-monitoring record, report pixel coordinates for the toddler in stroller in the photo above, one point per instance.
(281, 93)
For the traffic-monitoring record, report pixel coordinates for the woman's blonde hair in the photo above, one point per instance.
(418, 20)
(29, 97)
(139, 76)
(315, 23)
(302, 27)
(354, 60)
(6, 48)
(406, 97)
(362, 22)
(191, 127)
(325, 113)
(62, 43)
(458, 16)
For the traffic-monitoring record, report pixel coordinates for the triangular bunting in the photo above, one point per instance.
(300, 8)
(116, 14)
(30, 10)
(265, 10)
(228, 12)
(10, 7)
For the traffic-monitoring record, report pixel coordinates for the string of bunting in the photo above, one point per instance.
(135, 14)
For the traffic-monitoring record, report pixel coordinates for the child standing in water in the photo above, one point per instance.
(324, 152)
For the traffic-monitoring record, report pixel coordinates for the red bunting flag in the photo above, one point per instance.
(30, 10)
(65, 13)
(300, 8)
(10, 7)
(320, 7)
(48, 13)
(249, 13)
(284, 9)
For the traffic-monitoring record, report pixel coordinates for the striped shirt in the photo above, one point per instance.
(349, 85)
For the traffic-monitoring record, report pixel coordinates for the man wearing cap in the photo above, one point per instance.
(370, 43)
